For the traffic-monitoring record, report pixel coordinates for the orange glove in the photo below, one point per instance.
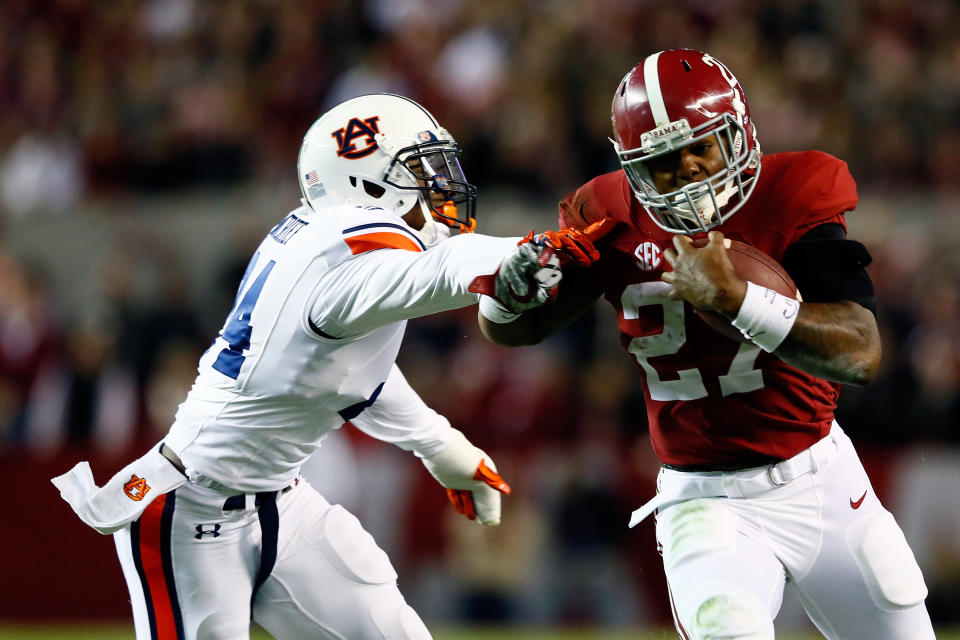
(463, 500)
(572, 244)
(530, 275)
(470, 477)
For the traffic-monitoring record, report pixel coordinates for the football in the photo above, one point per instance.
(757, 267)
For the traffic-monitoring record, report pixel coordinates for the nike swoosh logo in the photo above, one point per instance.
(856, 505)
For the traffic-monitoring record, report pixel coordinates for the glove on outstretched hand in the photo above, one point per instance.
(471, 479)
(527, 278)
(567, 243)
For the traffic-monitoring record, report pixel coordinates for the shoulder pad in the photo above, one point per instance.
(346, 231)
(825, 184)
(799, 191)
(606, 196)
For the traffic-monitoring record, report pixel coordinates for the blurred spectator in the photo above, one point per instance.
(89, 399)
(41, 173)
(146, 289)
(167, 384)
(30, 345)
(150, 94)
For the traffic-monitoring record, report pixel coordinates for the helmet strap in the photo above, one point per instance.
(431, 233)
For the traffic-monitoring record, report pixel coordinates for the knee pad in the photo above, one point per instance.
(735, 615)
(353, 552)
(887, 563)
(398, 621)
(694, 528)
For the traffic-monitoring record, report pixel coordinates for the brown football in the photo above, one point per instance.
(757, 267)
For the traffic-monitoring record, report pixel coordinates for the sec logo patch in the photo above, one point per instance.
(648, 256)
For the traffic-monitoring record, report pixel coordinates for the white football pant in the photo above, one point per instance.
(197, 560)
(729, 547)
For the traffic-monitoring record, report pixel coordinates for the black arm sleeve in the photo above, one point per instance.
(827, 267)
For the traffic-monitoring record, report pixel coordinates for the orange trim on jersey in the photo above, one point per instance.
(151, 559)
(380, 240)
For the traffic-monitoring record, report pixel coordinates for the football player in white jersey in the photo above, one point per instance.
(214, 525)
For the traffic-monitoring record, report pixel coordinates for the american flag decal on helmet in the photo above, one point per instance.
(311, 178)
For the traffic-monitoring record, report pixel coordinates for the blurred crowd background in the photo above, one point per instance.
(147, 145)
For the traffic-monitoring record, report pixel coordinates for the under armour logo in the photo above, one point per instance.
(214, 531)
(357, 128)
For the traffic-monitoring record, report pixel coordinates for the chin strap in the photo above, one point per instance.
(449, 217)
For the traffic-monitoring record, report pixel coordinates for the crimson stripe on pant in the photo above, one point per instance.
(150, 543)
(676, 614)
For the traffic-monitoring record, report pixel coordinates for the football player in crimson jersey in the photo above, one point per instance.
(759, 484)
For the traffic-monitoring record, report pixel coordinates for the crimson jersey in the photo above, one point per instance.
(711, 400)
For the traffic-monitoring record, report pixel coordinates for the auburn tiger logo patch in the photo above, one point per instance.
(136, 488)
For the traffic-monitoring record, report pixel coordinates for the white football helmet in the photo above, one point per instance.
(387, 151)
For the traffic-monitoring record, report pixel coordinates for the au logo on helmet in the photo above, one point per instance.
(136, 488)
(347, 136)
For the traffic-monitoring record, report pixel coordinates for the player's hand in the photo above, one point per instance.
(471, 479)
(569, 244)
(528, 277)
(704, 277)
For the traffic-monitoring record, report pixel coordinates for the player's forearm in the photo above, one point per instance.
(578, 293)
(400, 417)
(525, 330)
(836, 341)
(381, 287)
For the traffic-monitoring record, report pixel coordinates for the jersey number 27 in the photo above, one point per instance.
(740, 377)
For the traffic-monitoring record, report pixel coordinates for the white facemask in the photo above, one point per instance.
(703, 204)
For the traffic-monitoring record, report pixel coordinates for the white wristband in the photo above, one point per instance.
(496, 312)
(766, 317)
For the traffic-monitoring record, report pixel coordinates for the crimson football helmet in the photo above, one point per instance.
(387, 151)
(669, 101)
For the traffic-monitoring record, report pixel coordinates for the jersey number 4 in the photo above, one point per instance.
(740, 377)
(236, 332)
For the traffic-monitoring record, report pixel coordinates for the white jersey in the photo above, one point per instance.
(312, 340)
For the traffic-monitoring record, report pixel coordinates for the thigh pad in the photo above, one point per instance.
(398, 620)
(733, 614)
(887, 562)
(693, 528)
(351, 551)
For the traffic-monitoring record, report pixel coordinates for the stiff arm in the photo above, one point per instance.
(577, 295)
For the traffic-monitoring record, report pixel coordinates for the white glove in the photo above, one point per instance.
(527, 278)
(471, 479)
